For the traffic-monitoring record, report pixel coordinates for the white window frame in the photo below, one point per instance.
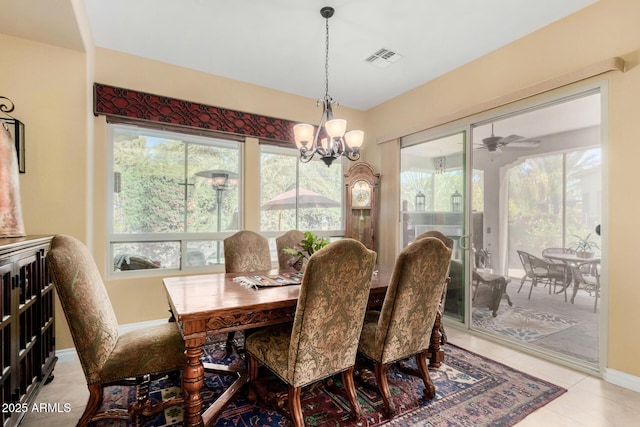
(182, 237)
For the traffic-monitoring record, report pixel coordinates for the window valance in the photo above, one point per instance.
(121, 105)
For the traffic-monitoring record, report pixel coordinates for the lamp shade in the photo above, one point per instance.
(335, 128)
(303, 134)
(354, 138)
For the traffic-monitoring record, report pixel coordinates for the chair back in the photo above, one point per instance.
(525, 259)
(287, 240)
(85, 302)
(330, 312)
(412, 299)
(448, 241)
(246, 251)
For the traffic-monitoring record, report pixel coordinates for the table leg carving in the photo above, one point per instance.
(192, 383)
(435, 353)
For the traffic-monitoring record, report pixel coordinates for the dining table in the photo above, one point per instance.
(574, 262)
(209, 304)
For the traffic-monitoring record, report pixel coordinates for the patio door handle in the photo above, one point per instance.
(463, 241)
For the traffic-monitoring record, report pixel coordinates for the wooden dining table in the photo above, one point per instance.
(210, 304)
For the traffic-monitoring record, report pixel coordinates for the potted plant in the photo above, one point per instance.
(584, 246)
(307, 247)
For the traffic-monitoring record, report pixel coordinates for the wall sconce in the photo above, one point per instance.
(15, 127)
(456, 202)
(420, 199)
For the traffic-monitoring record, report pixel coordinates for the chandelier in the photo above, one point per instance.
(330, 140)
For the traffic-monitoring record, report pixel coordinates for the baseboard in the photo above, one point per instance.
(622, 379)
(70, 355)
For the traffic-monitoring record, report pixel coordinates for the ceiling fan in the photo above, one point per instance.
(494, 143)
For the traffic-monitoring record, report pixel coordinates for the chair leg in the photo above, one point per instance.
(524, 278)
(429, 386)
(295, 407)
(95, 400)
(534, 282)
(383, 386)
(350, 389)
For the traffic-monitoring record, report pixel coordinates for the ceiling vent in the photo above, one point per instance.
(383, 58)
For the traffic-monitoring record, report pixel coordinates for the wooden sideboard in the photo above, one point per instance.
(27, 330)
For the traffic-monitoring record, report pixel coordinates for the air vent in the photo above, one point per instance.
(383, 58)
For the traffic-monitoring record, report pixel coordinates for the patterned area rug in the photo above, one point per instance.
(521, 323)
(471, 390)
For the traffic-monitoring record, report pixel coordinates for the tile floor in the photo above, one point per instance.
(588, 402)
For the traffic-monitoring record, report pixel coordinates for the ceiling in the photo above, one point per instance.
(280, 43)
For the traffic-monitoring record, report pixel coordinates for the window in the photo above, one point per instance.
(165, 212)
(553, 200)
(301, 196)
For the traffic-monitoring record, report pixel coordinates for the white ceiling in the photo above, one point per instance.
(280, 43)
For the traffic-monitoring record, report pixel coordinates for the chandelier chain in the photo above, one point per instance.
(326, 60)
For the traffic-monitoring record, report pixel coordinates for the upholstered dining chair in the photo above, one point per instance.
(448, 242)
(402, 327)
(107, 357)
(245, 252)
(323, 339)
(287, 240)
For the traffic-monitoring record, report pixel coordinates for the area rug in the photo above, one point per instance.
(471, 391)
(521, 323)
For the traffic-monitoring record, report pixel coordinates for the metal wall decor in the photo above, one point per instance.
(16, 128)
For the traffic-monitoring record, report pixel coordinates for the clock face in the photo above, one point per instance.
(361, 195)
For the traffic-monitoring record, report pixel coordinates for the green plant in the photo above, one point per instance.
(584, 244)
(307, 246)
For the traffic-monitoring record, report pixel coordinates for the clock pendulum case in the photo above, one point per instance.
(361, 204)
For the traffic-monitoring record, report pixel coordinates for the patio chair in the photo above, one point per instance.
(589, 274)
(540, 271)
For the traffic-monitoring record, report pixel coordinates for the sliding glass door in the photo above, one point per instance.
(532, 283)
(433, 184)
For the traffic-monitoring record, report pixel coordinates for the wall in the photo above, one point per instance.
(46, 84)
(606, 29)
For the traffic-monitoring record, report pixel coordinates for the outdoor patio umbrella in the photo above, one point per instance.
(306, 199)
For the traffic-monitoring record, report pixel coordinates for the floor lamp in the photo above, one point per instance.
(221, 181)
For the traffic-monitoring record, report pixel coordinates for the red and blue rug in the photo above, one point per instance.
(471, 391)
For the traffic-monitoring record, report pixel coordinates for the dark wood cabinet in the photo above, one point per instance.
(27, 330)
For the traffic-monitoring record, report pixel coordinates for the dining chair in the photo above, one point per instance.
(537, 270)
(107, 357)
(245, 252)
(402, 327)
(448, 242)
(323, 339)
(287, 240)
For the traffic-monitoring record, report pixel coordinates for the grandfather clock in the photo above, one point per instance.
(362, 204)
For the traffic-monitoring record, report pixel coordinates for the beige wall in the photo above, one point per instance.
(607, 29)
(48, 85)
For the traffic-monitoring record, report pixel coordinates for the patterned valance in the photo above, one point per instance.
(140, 107)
